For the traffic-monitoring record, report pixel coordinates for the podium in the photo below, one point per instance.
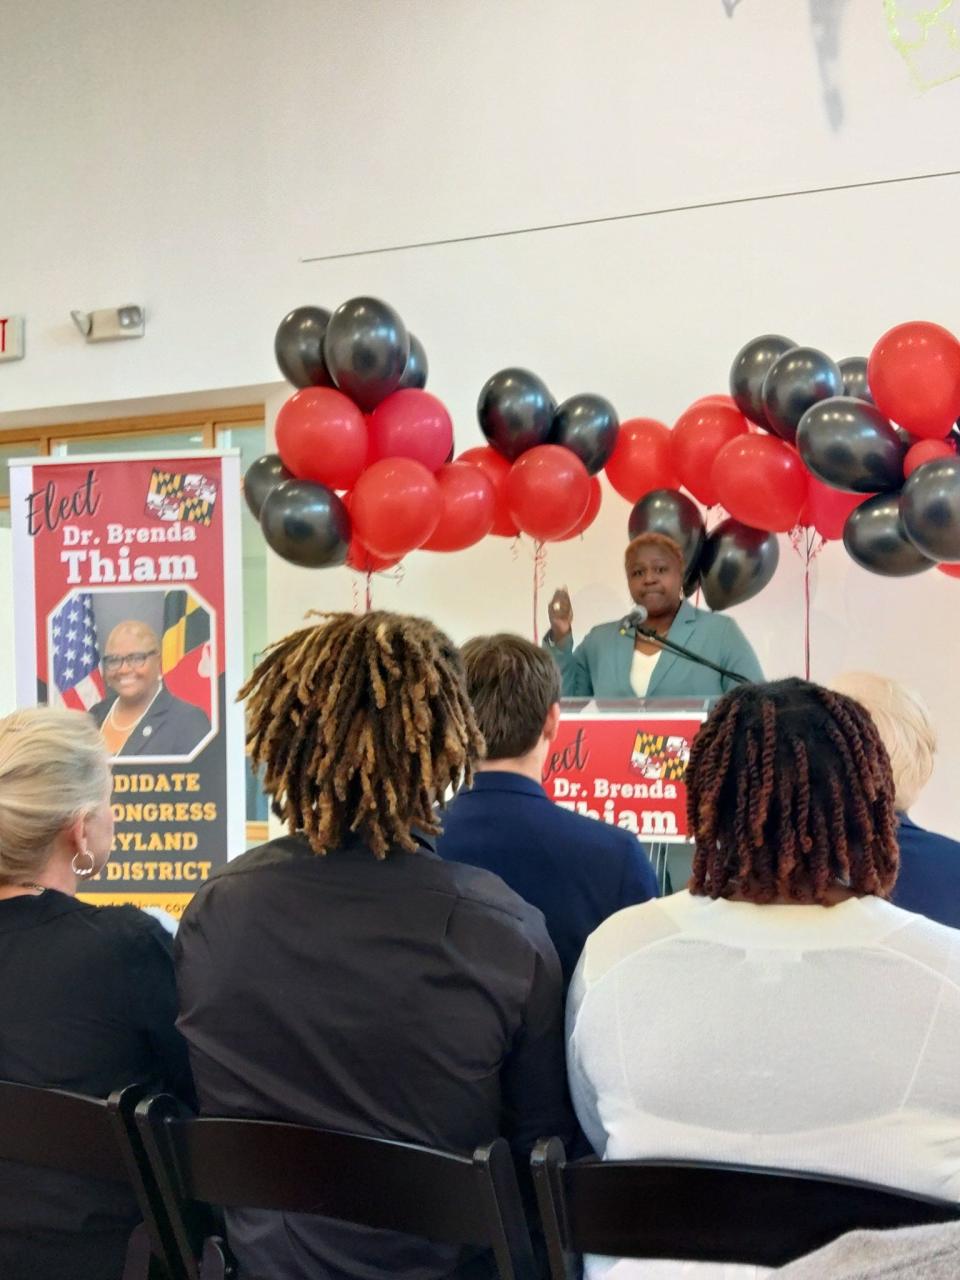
(624, 762)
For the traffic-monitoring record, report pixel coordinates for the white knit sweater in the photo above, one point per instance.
(801, 1037)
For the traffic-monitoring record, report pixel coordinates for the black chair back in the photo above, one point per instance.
(706, 1212)
(258, 1164)
(91, 1138)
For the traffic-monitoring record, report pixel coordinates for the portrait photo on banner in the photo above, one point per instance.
(142, 664)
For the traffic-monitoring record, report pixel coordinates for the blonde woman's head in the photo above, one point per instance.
(904, 723)
(54, 792)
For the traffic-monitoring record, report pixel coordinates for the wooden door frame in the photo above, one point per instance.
(207, 421)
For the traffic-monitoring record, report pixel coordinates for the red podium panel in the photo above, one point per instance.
(626, 764)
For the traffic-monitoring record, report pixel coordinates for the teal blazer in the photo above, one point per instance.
(600, 666)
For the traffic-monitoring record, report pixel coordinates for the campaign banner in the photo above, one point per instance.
(128, 609)
(625, 768)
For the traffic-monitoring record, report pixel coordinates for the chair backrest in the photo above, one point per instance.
(706, 1212)
(258, 1164)
(89, 1137)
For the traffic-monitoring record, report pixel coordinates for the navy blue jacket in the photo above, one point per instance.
(578, 871)
(929, 880)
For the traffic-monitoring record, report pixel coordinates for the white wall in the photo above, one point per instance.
(186, 157)
(8, 680)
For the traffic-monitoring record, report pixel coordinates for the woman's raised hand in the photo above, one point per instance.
(561, 616)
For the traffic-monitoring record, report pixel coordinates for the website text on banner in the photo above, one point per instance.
(128, 610)
(625, 768)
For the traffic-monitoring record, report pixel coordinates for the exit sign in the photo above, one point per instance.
(11, 337)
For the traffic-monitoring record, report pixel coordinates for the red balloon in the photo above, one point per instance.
(468, 501)
(411, 424)
(925, 451)
(363, 559)
(826, 509)
(761, 482)
(496, 468)
(914, 376)
(321, 436)
(715, 399)
(641, 460)
(360, 557)
(588, 517)
(951, 570)
(548, 489)
(395, 506)
(697, 438)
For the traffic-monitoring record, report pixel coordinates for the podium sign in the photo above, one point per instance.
(625, 764)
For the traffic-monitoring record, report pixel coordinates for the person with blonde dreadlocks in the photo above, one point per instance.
(345, 976)
(781, 1012)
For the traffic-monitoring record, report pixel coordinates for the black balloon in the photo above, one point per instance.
(515, 411)
(850, 445)
(415, 374)
(587, 425)
(366, 348)
(854, 370)
(749, 370)
(736, 563)
(306, 524)
(876, 539)
(930, 509)
(670, 512)
(796, 380)
(298, 347)
(262, 476)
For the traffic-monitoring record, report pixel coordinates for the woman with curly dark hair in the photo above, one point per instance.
(780, 1012)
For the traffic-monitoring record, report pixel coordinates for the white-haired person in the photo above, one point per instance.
(929, 879)
(88, 998)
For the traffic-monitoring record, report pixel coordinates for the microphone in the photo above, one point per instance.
(635, 618)
(634, 621)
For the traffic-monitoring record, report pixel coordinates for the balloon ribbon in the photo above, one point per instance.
(808, 544)
(539, 578)
(367, 597)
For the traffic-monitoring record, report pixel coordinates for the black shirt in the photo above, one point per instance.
(411, 999)
(87, 1003)
(171, 727)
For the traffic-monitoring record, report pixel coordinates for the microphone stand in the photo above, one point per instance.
(649, 634)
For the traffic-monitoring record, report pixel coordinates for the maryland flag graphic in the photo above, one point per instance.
(657, 756)
(185, 652)
(174, 496)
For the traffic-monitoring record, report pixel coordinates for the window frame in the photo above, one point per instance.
(209, 422)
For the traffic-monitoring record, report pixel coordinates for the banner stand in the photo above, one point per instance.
(128, 608)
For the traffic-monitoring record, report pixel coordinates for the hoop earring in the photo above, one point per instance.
(87, 871)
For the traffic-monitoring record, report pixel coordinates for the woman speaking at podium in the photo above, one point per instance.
(616, 660)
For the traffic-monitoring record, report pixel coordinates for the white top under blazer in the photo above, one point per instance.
(823, 1039)
(641, 671)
